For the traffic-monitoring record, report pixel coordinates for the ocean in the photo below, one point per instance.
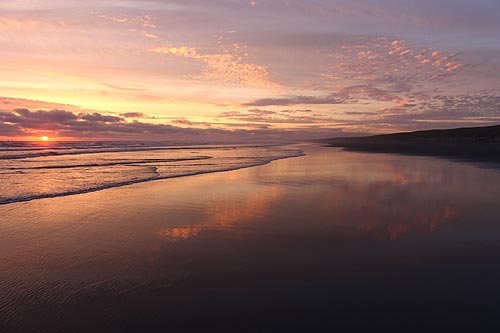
(34, 170)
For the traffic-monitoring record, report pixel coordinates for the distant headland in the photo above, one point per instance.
(480, 144)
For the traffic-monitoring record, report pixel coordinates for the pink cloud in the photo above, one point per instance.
(382, 60)
(225, 68)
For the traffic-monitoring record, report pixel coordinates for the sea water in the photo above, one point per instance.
(31, 171)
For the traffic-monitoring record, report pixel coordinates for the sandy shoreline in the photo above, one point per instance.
(332, 238)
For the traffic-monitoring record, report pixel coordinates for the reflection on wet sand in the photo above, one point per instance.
(383, 196)
(227, 214)
(423, 221)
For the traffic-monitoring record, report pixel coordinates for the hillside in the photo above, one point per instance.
(471, 143)
(459, 135)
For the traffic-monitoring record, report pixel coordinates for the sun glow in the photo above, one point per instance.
(44, 138)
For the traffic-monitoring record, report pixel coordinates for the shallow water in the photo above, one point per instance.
(36, 170)
(331, 240)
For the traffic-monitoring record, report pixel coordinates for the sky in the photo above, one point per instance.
(240, 71)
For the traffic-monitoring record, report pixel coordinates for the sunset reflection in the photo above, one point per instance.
(228, 214)
(383, 200)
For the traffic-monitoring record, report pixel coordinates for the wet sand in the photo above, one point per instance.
(332, 240)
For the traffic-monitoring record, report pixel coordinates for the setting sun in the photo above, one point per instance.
(44, 138)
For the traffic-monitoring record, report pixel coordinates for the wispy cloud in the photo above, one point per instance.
(145, 21)
(390, 61)
(224, 67)
(279, 117)
(296, 100)
(134, 115)
(480, 108)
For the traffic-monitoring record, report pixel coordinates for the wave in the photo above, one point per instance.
(136, 181)
(56, 151)
(91, 165)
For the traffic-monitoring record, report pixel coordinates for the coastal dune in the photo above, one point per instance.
(470, 143)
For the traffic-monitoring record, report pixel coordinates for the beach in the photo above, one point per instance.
(330, 240)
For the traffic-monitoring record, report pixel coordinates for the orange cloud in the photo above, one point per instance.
(224, 67)
(145, 21)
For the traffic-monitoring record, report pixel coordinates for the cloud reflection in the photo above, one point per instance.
(393, 198)
(228, 214)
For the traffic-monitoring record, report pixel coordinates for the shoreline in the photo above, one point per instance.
(138, 181)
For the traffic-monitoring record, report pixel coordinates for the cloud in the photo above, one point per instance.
(272, 117)
(438, 111)
(183, 121)
(143, 24)
(375, 59)
(25, 123)
(360, 113)
(224, 68)
(261, 112)
(221, 125)
(366, 92)
(97, 117)
(296, 111)
(341, 95)
(35, 104)
(333, 98)
(134, 115)
(145, 21)
(383, 60)
(383, 16)
(44, 116)
(117, 87)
